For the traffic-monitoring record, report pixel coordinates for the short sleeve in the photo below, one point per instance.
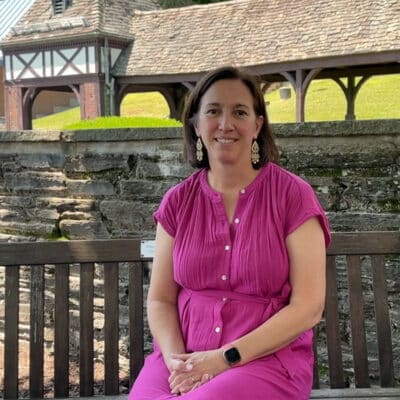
(166, 212)
(303, 204)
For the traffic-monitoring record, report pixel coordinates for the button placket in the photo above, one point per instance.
(218, 324)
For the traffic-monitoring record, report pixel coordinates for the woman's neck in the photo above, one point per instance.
(230, 178)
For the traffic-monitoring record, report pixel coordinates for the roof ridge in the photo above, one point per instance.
(192, 7)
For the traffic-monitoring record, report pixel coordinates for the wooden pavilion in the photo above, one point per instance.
(101, 50)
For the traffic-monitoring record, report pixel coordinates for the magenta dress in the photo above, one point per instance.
(232, 278)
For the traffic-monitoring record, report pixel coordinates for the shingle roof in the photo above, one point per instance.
(10, 12)
(257, 32)
(82, 17)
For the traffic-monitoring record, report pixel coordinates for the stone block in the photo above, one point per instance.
(363, 221)
(34, 181)
(75, 229)
(27, 229)
(77, 215)
(90, 162)
(41, 214)
(17, 201)
(10, 166)
(145, 189)
(41, 161)
(369, 193)
(81, 187)
(149, 169)
(65, 204)
(128, 218)
(8, 215)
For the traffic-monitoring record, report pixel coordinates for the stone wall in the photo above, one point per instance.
(106, 184)
(99, 184)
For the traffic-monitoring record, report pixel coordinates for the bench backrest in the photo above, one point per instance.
(370, 253)
(62, 254)
(354, 246)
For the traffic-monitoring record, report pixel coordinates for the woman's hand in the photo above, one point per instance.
(190, 371)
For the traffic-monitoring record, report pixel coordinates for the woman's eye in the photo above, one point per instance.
(241, 113)
(212, 111)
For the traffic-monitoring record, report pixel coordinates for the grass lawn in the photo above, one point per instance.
(325, 101)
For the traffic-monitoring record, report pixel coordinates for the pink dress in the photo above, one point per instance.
(233, 277)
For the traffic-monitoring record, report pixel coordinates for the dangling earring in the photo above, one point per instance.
(199, 150)
(255, 153)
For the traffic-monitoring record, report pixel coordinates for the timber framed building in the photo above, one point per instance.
(101, 50)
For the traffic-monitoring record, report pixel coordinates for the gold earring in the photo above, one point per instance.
(255, 153)
(199, 150)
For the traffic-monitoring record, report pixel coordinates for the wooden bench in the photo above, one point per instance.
(381, 248)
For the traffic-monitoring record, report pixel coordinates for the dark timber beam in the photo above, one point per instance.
(350, 91)
(300, 80)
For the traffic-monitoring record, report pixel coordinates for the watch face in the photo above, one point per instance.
(232, 355)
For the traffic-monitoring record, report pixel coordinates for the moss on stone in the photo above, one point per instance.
(390, 205)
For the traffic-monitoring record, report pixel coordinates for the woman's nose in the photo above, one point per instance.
(225, 122)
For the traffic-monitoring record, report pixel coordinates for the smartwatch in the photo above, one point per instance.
(231, 356)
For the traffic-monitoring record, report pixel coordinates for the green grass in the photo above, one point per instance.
(325, 101)
(150, 104)
(122, 122)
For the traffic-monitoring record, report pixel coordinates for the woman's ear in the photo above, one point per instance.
(194, 122)
(259, 123)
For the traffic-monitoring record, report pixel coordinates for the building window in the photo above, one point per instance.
(59, 6)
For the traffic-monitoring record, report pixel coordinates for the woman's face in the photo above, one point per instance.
(227, 123)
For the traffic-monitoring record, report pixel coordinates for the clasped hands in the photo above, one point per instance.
(190, 370)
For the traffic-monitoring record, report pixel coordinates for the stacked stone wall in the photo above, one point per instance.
(106, 184)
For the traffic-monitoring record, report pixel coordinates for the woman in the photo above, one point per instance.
(238, 279)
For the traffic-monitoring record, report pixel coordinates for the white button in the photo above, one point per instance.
(224, 277)
(224, 299)
(227, 247)
(243, 191)
(218, 329)
(237, 220)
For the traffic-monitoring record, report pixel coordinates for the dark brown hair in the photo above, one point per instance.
(265, 139)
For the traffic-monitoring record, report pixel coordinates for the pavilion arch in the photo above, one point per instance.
(174, 95)
(30, 94)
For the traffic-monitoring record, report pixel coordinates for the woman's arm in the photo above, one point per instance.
(162, 299)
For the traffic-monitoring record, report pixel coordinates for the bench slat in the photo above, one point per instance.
(382, 322)
(358, 338)
(333, 327)
(74, 251)
(36, 342)
(11, 310)
(111, 328)
(359, 393)
(61, 331)
(361, 243)
(136, 342)
(315, 349)
(86, 329)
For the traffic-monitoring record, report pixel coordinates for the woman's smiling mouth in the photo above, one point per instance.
(225, 140)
